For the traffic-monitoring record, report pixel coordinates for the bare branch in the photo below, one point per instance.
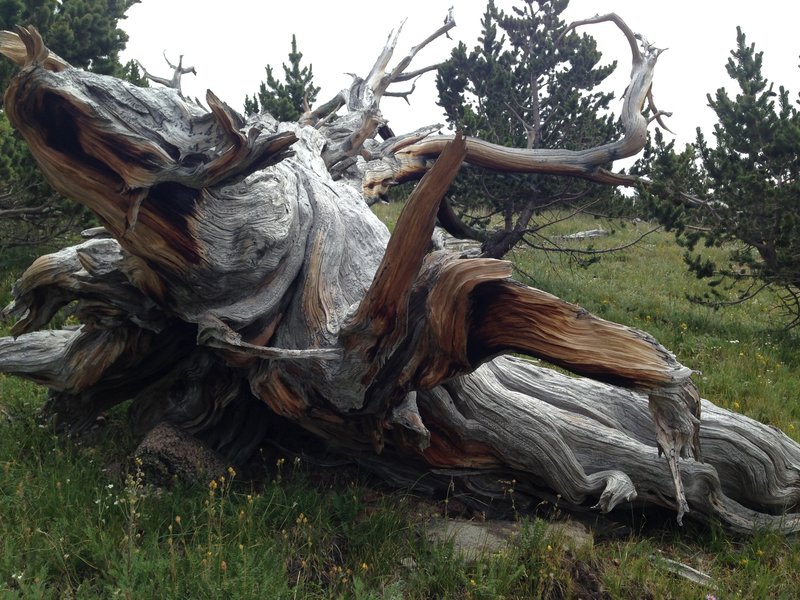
(414, 74)
(403, 95)
(657, 114)
(323, 112)
(632, 38)
(378, 70)
(154, 78)
(592, 251)
(586, 164)
(13, 213)
(449, 23)
(178, 70)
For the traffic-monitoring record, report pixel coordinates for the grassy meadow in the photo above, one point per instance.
(77, 520)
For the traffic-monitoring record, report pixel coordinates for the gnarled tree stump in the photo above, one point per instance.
(241, 275)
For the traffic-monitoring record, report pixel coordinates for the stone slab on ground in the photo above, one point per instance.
(471, 539)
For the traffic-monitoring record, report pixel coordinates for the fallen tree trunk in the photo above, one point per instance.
(243, 278)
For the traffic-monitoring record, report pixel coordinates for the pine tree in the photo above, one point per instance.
(747, 186)
(86, 34)
(285, 100)
(519, 88)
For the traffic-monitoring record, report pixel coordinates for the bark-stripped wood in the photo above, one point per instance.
(244, 280)
(400, 166)
(178, 71)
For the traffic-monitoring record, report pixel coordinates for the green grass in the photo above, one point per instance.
(76, 519)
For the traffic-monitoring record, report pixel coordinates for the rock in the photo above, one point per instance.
(584, 235)
(472, 539)
(570, 535)
(167, 453)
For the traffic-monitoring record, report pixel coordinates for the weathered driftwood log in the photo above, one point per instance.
(244, 279)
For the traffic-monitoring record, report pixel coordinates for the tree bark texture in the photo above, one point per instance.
(240, 277)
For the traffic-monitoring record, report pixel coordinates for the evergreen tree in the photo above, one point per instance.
(518, 88)
(285, 100)
(82, 32)
(743, 193)
(85, 34)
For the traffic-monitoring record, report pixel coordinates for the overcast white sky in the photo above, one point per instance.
(229, 43)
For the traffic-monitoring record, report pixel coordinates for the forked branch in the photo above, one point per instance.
(365, 94)
(178, 71)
